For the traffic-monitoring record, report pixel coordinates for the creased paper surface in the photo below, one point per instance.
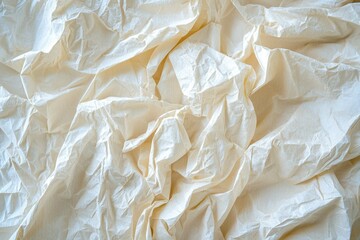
(202, 119)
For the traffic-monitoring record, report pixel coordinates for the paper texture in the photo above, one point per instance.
(167, 119)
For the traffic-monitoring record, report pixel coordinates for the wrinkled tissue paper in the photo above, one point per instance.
(168, 119)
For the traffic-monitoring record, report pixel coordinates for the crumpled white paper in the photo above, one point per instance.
(196, 119)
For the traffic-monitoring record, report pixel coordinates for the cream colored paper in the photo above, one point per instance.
(167, 119)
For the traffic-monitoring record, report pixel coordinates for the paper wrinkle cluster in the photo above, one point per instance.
(194, 119)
